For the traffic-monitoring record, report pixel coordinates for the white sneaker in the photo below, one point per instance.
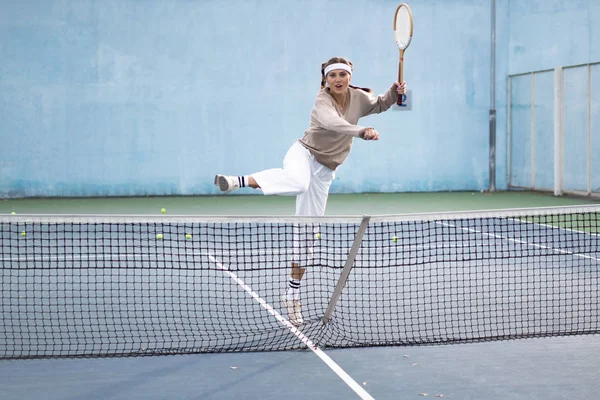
(294, 310)
(227, 183)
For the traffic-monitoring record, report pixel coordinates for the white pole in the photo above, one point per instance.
(532, 130)
(589, 130)
(508, 132)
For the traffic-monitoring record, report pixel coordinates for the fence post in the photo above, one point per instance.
(558, 132)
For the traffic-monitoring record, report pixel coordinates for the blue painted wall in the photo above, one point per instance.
(153, 97)
(545, 34)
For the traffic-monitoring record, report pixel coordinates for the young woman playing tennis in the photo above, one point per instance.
(309, 165)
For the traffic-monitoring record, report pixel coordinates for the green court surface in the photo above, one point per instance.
(256, 204)
(567, 222)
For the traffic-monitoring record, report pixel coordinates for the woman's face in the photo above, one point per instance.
(338, 81)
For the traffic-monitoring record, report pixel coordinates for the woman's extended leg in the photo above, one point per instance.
(310, 203)
(291, 180)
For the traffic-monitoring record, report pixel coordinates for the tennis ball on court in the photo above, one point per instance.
(13, 213)
(188, 236)
(163, 210)
(159, 236)
(23, 233)
(395, 239)
(318, 235)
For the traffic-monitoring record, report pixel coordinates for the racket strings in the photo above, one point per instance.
(403, 28)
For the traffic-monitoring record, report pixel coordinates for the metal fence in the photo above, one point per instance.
(554, 130)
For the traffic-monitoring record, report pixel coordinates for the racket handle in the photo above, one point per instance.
(400, 78)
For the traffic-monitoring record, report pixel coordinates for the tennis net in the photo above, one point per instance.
(104, 286)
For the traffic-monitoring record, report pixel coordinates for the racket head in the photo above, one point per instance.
(403, 26)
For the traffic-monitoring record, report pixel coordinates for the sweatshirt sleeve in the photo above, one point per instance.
(325, 116)
(378, 104)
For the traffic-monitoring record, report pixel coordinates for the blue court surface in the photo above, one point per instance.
(89, 287)
(548, 368)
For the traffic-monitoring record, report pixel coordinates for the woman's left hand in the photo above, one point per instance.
(400, 88)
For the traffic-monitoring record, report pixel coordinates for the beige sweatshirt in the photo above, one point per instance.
(329, 136)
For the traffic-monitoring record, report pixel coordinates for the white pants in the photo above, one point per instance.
(307, 179)
(301, 176)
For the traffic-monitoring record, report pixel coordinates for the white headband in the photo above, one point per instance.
(343, 66)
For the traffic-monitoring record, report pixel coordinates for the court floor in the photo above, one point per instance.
(546, 368)
(549, 369)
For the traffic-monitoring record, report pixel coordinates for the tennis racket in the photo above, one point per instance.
(403, 31)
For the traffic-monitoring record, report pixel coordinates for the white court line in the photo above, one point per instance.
(522, 242)
(552, 226)
(362, 393)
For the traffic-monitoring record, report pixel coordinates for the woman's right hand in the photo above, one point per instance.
(370, 134)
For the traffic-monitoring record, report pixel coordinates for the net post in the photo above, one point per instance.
(347, 267)
(558, 131)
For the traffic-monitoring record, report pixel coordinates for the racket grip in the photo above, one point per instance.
(400, 76)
